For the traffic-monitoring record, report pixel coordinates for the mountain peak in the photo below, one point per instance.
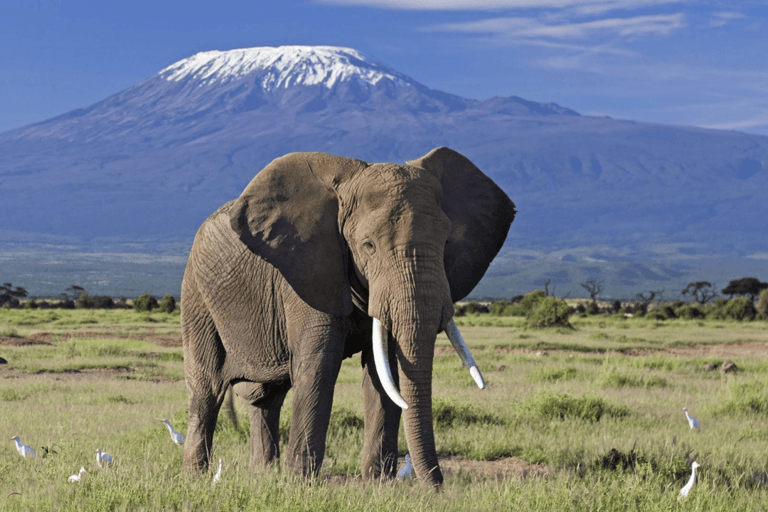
(282, 67)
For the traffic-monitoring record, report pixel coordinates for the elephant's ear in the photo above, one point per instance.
(288, 215)
(480, 212)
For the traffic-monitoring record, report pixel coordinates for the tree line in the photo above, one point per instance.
(544, 309)
(75, 297)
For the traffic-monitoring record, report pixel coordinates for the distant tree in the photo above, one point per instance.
(700, 291)
(594, 289)
(645, 300)
(11, 296)
(745, 286)
(73, 292)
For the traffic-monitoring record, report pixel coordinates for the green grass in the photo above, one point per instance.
(610, 426)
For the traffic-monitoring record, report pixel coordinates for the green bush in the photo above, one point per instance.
(551, 405)
(668, 311)
(498, 308)
(530, 300)
(30, 304)
(84, 301)
(144, 302)
(762, 305)
(736, 309)
(689, 311)
(449, 413)
(168, 304)
(549, 312)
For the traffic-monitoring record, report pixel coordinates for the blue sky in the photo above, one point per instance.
(686, 62)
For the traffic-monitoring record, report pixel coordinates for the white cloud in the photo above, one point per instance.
(519, 27)
(723, 18)
(583, 6)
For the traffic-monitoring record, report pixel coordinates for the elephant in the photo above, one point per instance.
(322, 257)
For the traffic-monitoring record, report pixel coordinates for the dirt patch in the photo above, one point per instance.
(758, 349)
(12, 341)
(47, 338)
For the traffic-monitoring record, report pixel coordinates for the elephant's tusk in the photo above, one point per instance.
(380, 342)
(452, 331)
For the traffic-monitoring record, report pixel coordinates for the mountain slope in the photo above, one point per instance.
(155, 159)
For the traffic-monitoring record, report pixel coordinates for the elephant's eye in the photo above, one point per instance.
(368, 247)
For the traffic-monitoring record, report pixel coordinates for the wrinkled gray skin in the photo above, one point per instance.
(282, 283)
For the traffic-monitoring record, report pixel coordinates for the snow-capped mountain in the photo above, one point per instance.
(593, 193)
(282, 67)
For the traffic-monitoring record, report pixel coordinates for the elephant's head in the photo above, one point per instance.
(412, 238)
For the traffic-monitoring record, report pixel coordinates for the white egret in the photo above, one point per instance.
(76, 478)
(24, 450)
(103, 458)
(693, 422)
(685, 490)
(407, 471)
(177, 437)
(217, 476)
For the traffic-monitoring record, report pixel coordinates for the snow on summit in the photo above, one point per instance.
(282, 67)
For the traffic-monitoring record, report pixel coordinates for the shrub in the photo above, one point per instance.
(30, 304)
(689, 312)
(168, 304)
(530, 300)
(734, 309)
(103, 302)
(762, 306)
(498, 308)
(449, 413)
(550, 312)
(84, 301)
(551, 405)
(144, 302)
(66, 304)
(668, 311)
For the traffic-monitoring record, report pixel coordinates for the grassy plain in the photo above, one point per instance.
(601, 408)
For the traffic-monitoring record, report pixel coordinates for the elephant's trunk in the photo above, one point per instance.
(414, 306)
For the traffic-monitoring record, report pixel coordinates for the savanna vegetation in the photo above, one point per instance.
(595, 407)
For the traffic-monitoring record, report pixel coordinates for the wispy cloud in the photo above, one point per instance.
(583, 6)
(519, 27)
(720, 19)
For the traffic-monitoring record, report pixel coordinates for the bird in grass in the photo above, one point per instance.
(177, 437)
(693, 422)
(217, 476)
(685, 490)
(103, 458)
(76, 478)
(407, 471)
(24, 450)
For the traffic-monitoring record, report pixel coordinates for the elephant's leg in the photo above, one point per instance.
(382, 421)
(203, 353)
(313, 378)
(265, 427)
